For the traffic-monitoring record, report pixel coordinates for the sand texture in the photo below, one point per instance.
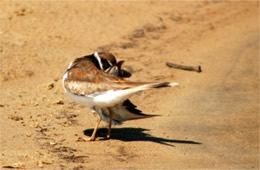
(210, 121)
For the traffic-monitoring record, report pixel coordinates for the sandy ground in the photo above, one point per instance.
(210, 121)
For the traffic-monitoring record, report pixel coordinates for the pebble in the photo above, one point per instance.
(50, 86)
(15, 118)
(138, 33)
(53, 143)
(59, 102)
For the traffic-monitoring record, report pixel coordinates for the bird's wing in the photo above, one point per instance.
(128, 111)
(123, 112)
(110, 88)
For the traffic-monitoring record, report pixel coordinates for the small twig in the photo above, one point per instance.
(183, 67)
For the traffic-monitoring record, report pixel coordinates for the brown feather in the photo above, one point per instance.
(85, 78)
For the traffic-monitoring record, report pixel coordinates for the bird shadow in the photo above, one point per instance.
(137, 134)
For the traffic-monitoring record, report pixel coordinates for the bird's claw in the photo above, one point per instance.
(80, 139)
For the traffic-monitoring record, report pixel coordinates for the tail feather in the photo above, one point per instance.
(127, 111)
(131, 107)
(125, 94)
(113, 97)
(158, 85)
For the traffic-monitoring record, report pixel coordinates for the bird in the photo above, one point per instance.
(98, 82)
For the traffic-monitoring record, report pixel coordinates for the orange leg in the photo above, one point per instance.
(93, 136)
(111, 115)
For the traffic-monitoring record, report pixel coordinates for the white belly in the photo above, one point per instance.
(83, 100)
(108, 99)
(103, 100)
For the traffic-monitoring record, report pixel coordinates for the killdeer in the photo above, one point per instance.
(98, 82)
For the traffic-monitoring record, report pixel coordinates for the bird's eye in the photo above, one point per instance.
(105, 64)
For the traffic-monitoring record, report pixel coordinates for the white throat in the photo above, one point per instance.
(99, 60)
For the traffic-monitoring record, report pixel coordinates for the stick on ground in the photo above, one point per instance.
(183, 67)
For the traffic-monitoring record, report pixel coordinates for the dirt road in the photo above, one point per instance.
(210, 121)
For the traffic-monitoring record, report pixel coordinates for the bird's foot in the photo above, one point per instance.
(91, 138)
(80, 139)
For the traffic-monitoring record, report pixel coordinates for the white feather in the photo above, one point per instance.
(99, 102)
(109, 98)
(99, 60)
(172, 84)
